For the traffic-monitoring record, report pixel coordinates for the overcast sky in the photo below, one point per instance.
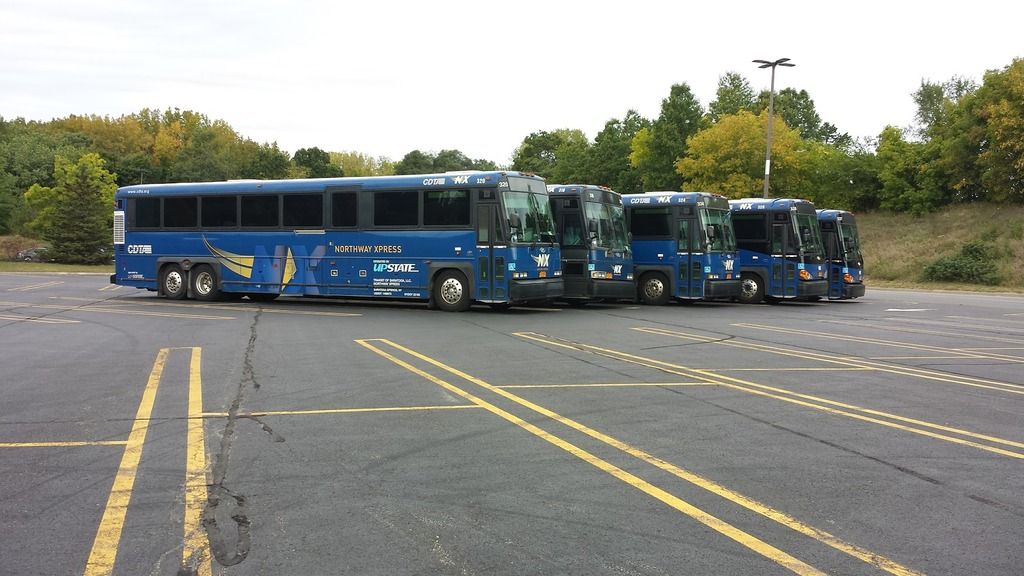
(384, 78)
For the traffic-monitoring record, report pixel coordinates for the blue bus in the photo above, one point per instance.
(842, 254)
(683, 246)
(597, 262)
(449, 239)
(781, 253)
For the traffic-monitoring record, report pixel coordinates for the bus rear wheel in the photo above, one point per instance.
(451, 292)
(172, 280)
(204, 283)
(654, 290)
(751, 288)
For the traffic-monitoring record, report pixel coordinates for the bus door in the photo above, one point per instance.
(691, 277)
(492, 267)
(783, 270)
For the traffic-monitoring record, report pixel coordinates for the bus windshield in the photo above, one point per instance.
(611, 225)
(529, 217)
(851, 242)
(722, 238)
(809, 234)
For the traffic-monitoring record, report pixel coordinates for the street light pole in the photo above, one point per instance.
(771, 116)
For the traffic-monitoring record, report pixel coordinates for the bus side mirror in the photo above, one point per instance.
(514, 222)
(711, 232)
(592, 227)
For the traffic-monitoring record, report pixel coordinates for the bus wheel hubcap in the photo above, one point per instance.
(654, 288)
(173, 282)
(451, 291)
(749, 288)
(204, 283)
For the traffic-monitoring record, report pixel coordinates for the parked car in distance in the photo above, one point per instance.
(38, 254)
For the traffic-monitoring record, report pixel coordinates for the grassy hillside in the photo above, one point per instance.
(899, 247)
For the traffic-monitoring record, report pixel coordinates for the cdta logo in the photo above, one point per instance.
(541, 260)
(394, 268)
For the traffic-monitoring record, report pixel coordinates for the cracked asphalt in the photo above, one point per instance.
(881, 436)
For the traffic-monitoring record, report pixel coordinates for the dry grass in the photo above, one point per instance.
(897, 247)
(11, 245)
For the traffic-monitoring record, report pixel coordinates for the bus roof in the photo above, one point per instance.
(758, 204)
(830, 215)
(667, 197)
(409, 181)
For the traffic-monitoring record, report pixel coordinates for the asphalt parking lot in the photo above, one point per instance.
(144, 436)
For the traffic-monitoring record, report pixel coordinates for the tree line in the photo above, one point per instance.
(966, 145)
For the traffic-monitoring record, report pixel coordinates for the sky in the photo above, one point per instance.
(387, 77)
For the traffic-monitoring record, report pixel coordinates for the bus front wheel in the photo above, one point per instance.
(451, 292)
(204, 283)
(172, 280)
(654, 289)
(751, 288)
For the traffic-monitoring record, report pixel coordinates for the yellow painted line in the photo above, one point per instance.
(130, 301)
(35, 286)
(63, 444)
(890, 328)
(110, 288)
(108, 536)
(195, 551)
(713, 522)
(630, 385)
(341, 411)
(778, 516)
(828, 369)
(922, 357)
(847, 361)
(995, 348)
(105, 309)
(38, 320)
(806, 400)
(879, 342)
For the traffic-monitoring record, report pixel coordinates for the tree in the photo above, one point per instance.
(75, 214)
(608, 159)
(653, 153)
(359, 164)
(317, 163)
(907, 174)
(559, 156)
(415, 162)
(734, 94)
(728, 158)
(798, 111)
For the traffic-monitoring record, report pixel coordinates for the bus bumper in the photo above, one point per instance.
(615, 289)
(113, 278)
(853, 291)
(714, 289)
(806, 288)
(545, 289)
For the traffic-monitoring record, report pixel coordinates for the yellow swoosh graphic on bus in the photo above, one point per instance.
(289, 269)
(241, 265)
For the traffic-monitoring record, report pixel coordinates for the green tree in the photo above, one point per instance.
(653, 153)
(907, 174)
(317, 163)
(75, 214)
(359, 164)
(559, 155)
(728, 158)
(734, 94)
(608, 159)
(798, 111)
(415, 162)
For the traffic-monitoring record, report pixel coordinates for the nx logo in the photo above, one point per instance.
(746, 206)
(617, 269)
(460, 179)
(541, 260)
(728, 265)
(395, 268)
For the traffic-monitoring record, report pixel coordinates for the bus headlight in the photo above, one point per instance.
(848, 278)
(598, 275)
(805, 275)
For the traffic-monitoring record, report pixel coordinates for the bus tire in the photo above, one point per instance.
(451, 291)
(654, 289)
(172, 282)
(751, 288)
(204, 283)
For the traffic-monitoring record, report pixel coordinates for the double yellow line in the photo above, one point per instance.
(963, 437)
(745, 539)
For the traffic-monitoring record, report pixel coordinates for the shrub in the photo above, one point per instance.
(975, 264)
